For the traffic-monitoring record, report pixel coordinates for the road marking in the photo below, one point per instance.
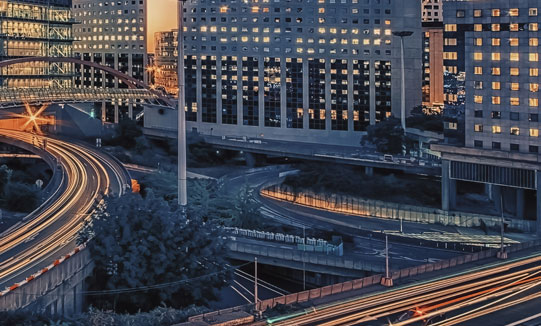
(524, 320)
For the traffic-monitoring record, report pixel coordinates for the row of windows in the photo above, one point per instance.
(512, 147)
(507, 27)
(513, 116)
(513, 71)
(513, 101)
(278, 30)
(513, 131)
(497, 12)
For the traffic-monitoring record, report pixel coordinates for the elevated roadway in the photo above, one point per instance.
(51, 230)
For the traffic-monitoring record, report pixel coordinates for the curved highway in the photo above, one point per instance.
(51, 230)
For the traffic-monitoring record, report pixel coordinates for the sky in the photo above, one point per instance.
(162, 16)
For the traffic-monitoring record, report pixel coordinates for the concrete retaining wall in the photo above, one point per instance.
(58, 291)
(375, 208)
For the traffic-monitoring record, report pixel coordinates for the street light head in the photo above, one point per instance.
(403, 33)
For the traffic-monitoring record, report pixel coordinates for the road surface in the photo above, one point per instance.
(50, 231)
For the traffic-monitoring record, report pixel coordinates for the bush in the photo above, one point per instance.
(20, 197)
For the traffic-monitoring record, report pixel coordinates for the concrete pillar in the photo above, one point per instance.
(448, 187)
(369, 171)
(488, 191)
(520, 203)
(497, 197)
(250, 159)
(538, 201)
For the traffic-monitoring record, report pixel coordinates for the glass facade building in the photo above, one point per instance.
(113, 34)
(36, 28)
(303, 70)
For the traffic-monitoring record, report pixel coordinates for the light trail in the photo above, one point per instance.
(52, 228)
(404, 298)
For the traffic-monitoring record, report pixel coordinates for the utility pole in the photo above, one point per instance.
(182, 185)
(403, 34)
(387, 280)
(502, 254)
(255, 284)
(303, 257)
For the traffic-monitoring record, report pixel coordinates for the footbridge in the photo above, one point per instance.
(130, 88)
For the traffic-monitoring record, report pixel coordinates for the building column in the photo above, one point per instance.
(520, 203)
(448, 187)
(538, 201)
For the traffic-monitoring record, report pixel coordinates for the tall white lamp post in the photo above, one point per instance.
(182, 186)
(402, 35)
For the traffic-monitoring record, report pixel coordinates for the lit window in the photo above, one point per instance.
(514, 56)
(478, 70)
(534, 72)
(478, 128)
(478, 56)
(478, 41)
(496, 129)
(496, 56)
(494, 27)
(534, 132)
(513, 27)
(534, 87)
(496, 12)
(534, 27)
(496, 42)
(534, 41)
(533, 102)
(513, 12)
(496, 100)
(514, 72)
(513, 41)
(496, 85)
(534, 57)
(514, 101)
(496, 71)
(450, 28)
(515, 131)
(478, 27)
(532, 12)
(478, 99)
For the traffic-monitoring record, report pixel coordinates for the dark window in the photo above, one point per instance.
(534, 117)
(496, 145)
(478, 113)
(534, 149)
(478, 143)
(460, 13)
(514, 147)
(496, 115)
(515, 116)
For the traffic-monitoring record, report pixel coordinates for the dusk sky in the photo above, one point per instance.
(162, 16)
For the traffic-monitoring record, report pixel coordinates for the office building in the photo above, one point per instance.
(34, 28)
(309, 71)
(495, 44)
(432, 10)
(111, 33)
(165, 70)
(433, 90)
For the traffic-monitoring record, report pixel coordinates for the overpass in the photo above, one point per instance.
(32, 250)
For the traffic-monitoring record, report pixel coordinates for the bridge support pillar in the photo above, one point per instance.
(520, 203)
(448, 187)
(538, 201)
(387, 281)
(497, 197)
(250, 159)
(369, 171)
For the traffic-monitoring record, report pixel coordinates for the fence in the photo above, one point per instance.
(396, 275)
(375, 208)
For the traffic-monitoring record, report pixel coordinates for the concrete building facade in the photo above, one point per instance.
(309, 71)
(34, 28)
(432, 10)
(433, 90)
(111, 33)
(496, 45)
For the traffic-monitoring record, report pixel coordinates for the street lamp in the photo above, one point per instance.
(182, 186)
(403, 34)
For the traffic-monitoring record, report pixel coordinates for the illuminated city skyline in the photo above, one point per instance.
(161, 17)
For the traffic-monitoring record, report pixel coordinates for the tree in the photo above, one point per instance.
(5, 174)
(137, 242)
(246, 213)
(387, 135)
